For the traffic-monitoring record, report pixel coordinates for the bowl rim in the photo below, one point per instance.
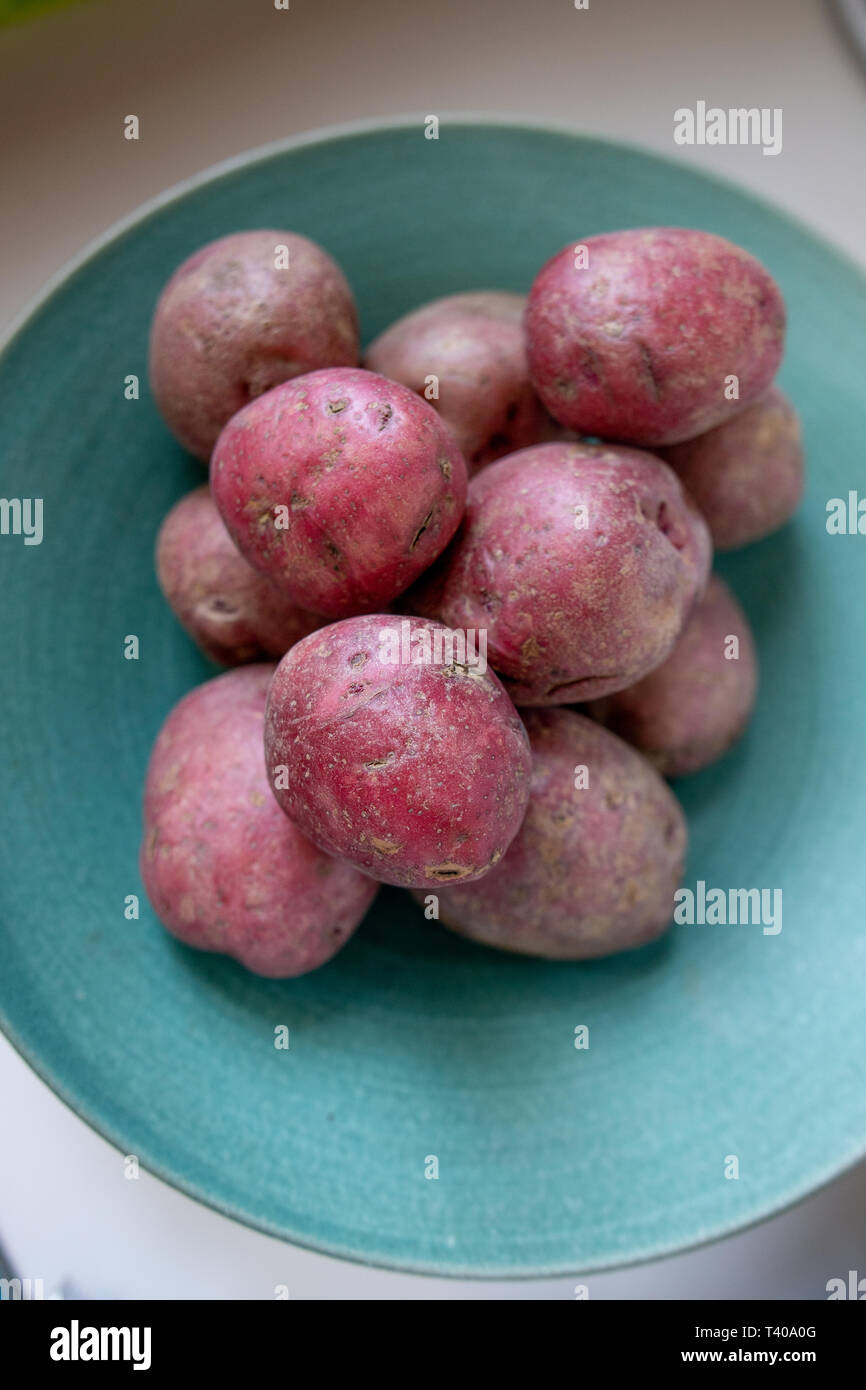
(320, 135)
(188, 1187)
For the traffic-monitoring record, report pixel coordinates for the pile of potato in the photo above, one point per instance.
(482, 561)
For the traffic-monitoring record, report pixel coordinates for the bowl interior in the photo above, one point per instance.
(719, 1041)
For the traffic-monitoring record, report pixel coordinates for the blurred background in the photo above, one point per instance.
(209, 79)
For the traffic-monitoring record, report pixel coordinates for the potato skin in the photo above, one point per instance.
(591, 871)
(571, 614)
(416, 773)
(690, 710)
(371, 481)
(229, 325)
(637, 345)
(223, 867)
(746, 475)
(232, 612)
(474, 344)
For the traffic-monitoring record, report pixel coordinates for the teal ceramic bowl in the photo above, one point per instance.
(720, 1042)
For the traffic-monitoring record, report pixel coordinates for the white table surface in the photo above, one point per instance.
(209, 79)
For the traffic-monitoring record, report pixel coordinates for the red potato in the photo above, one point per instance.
(746, 476)
(471, 349)
(640, 342)
(340, 486)
(410, 762)
(690, 710)
(239, 316)
(231, 611)
(594, 867)
(224, 869)
(582, 563)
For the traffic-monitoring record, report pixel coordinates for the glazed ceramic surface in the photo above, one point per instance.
(720, 1042)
